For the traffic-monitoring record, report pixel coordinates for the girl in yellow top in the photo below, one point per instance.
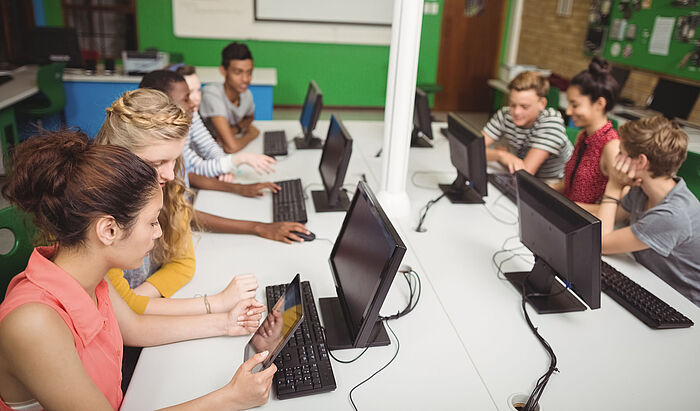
(151, 126)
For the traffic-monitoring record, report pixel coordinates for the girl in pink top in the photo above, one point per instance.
(62, 325)
(592, 93)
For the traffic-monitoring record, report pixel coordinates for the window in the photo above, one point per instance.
(104, 26)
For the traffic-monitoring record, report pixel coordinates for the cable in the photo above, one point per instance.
(425, 209)
(435, 187)
(398, 347)
(414, 290)
(326, 239)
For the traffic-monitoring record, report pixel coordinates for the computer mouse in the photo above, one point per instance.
(304, 236)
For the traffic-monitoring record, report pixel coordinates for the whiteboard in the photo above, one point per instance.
(370, 12)
(235, 19)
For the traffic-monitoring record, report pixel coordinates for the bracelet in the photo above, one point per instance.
(613, 199)
(206, 304)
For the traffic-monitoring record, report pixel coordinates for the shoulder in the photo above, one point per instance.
(550, 117)
(213, 89)
(32, 321)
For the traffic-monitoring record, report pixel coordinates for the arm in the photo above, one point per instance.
(246, 190)
(505, 158)
(281, 231)
(227, 133)
(534, 159)
(607, 157)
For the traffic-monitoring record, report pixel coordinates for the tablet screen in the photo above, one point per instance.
(279, 325)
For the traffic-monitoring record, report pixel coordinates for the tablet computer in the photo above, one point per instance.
(278, 327)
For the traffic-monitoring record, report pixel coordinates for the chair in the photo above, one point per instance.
(690, 171)
(553, 98)
(22, 231)
(572, 132)
(52, 94)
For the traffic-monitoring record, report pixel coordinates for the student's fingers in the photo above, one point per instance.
(299, 227)
(294, 237)
(266, 375)
(248, 366)
(248, 324)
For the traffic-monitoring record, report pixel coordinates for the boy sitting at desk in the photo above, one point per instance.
(534, 135)
(664, 216)
(228, 107)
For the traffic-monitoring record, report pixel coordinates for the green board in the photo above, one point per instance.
(640, 56)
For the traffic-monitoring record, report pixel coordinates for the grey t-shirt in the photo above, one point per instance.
(671, 229)
(215, 103)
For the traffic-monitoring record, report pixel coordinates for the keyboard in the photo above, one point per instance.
(275, 143)
(640, 302)
(505, 183)
(303, 365)
(627, 115)
(289, 204)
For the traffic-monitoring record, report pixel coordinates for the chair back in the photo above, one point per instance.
(690, 171)
(49, 79)
(15, 255)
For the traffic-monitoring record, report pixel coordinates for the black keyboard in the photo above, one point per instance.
(275, 143)
(640, 302)
(289, 204)
(303, 366)
(627, 115)
(505, 183)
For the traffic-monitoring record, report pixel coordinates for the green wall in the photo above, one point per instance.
(53, 14)
(349, 75)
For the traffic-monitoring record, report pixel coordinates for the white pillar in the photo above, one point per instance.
(513, 34)
(398, 113)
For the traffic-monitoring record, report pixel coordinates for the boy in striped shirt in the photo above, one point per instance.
(533, 134)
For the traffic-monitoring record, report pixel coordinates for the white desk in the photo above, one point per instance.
(608, 359)
(22, 85)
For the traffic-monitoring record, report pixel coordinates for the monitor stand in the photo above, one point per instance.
(322, 205)
(419, 140)
(313, 143)
(541, 280)
(460, 193)
(337, 334)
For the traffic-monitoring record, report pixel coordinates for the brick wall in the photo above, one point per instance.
(556, 43)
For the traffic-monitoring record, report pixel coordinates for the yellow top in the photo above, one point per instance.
(169, 278)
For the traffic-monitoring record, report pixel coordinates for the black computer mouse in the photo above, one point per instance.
(304, 236)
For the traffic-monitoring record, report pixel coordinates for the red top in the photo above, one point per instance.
(94, 327)
(589, 182)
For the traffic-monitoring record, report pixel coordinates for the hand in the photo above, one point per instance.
(252, 132)
(250, 390)
(258, 162)
(511, 162)
(241, 287)
(254, 190)
(246, 122)
(281, 231)
(227, 178)
(245, 317)
(624, 173)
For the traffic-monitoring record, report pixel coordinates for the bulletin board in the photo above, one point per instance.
(650, 32)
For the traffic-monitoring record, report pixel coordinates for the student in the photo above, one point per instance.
(175, 86)
(664, 216)
(592, 93)
(228, 107)
(534, 135)
(61, 325)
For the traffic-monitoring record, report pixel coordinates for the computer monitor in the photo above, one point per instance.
(422, 123)
(333, 166)
(468, 155)
(313, 104)
(56, 45)
(620, 75)
(565, 240)
(364, 261)
(673, 99)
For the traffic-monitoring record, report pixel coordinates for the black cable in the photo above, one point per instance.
(414, 290)
(398, 347)
(425, 209)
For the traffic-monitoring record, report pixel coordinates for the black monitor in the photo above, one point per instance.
(673, 99)
(364, 261)
(468, 155)
(56, 45)
(333, 166)
(422, 123)
(620, 75)
(310, 112)
(565, 240)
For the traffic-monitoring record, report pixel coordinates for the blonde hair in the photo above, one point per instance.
(662, 141)
(530, 80)
(135, 121)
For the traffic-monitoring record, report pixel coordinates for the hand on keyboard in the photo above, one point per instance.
(254, 190)
(281, 231)
(244, 318)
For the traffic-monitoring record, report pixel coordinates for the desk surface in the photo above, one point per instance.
(467, 345)
(261, 76)
(22, 85)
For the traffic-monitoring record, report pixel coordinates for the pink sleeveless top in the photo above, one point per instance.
(94, 327)
(589, 182)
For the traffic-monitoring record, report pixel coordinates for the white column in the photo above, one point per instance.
(398, 113)
(513, 34)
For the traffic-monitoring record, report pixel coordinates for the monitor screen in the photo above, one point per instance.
(564, 238)
(279, 325)
(620, 75)
(336, 156)
(673, 99)
(56, 45)
(468, 156)
(311, 110)
(364, 261)
(421, 114)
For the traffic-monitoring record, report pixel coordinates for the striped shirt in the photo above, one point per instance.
(203, 155)
(547, 133)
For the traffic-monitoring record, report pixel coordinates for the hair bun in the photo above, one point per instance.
(599, 67)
